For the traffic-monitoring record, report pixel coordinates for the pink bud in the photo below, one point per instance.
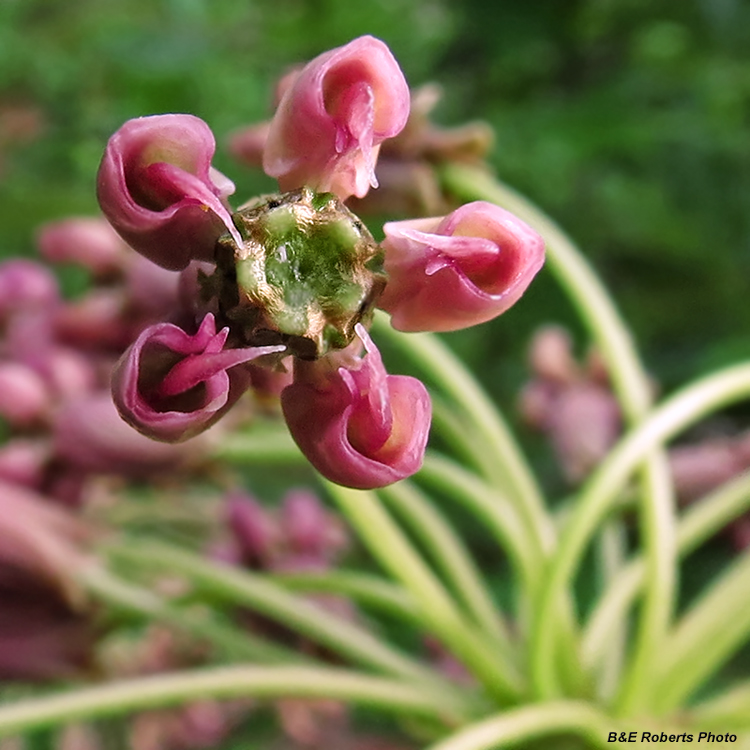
(95, 320)
(152, 292)
(89, 436)
(584, 423)
(31, 340)
(26, 285)
(86, 241)
(247, 144)
(43, 632)
(24, 396)
(311, 530)
(452, 273)
(171, 385)
(330, 122)
(157, 188)
(23, 461)
(357, 425)
(255, 530)
(38, 537)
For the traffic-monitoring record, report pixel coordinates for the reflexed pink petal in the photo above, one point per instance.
(171, 385)
(332, 118)
(452, 273)
(357, 425)
(158, 190)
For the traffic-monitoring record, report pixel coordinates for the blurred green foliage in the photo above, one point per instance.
(626, 119)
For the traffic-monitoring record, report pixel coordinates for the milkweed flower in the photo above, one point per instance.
(171, 385)
(356, 424)
(158, 189)
(297, 274)
(449, 273)
(332, 118)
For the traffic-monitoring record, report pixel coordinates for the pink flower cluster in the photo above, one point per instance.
(64, 441)
(358, 425)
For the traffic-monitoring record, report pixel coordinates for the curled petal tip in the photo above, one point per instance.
(458, 271)
(347, 101)
(171, 385)
(357, 425)
(158, 189)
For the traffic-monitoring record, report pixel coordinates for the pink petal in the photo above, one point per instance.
(471, 266)
(345, 102)
(158, 190)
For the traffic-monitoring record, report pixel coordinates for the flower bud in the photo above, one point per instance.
(24, 396)
(332, 118)
(255, 531)
(357, 425)
(89, 436)
(312, 532)
(157, 188)
(86, 241)
(26, 285)
(452, 273)
(40, 538)
(171, 385)
(23, 461)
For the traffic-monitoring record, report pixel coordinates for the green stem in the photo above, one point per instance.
(597, 497)
(500, 517)
(134, 599)
(394, 552)
(449, 552)
(442, 366)
(517, 726)
(709, 633)
(456, 429)
(632, 386)
(491, 508)
(365, 589)
(261, 595)
(729, 710)
(701, 521)
(613, 546)
(267, 443)
(158, 691)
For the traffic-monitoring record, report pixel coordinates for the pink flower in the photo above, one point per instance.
(458, 271)
(330, 122)
(171, 385)
(158, 189)
(357, 425)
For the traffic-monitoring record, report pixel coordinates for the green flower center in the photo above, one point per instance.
(307, 273)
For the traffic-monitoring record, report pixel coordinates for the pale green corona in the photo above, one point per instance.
(308, 271)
